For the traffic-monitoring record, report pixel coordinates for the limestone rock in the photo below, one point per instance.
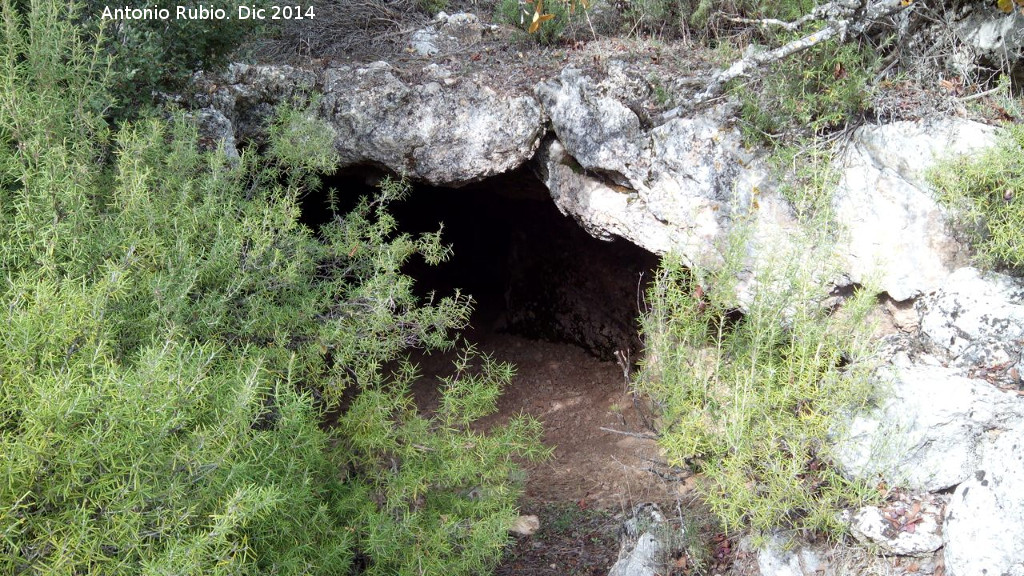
(526, 525)
(424, 42)
(446, 33)
(641, 560)
(977, 321)
(984, 524)
(463, 27)
(644, 550)
(776, 559)
(598, 131)
(897, 232)
(443, 131)
(217, 132)
(247, 95)
(898, 531)
(989, 35)
(931, 431)
(673, 186)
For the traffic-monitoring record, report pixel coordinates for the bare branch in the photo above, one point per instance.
(632, 434)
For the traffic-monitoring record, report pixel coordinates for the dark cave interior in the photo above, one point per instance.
(532, 271)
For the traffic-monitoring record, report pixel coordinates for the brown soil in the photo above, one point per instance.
(596, 476)
(578, 399)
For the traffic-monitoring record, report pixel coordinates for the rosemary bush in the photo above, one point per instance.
(987, 195)
(751, 398)
(173, 337)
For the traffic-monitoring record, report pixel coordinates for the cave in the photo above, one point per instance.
(558, 305)
(531, 270)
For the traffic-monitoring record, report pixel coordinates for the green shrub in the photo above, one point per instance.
(154, 53)
(655, 15)
(806, 178)
(806, 94)
(751, 398)
(987, 195)
(705, 11)
(174, 336)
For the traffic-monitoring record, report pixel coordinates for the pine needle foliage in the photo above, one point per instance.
(173, 337)
(750, 392)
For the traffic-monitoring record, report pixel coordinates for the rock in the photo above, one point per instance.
(990, 36)
(441, 132)
(643, 559)
(977, 321)
(931, 431)
(247, 95)
(424, 42)
(643, 551)
(602, 210)
(902, 314)
(525, 525)
(896, 231)
(598, 131)
(775, 559)
(909, 530)
(984, 524)
(673, 187)
(447, 32)
(682, 185)
(463, 27)
(217, 132)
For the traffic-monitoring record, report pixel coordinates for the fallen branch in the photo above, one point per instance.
(632, 434)
(845, 17)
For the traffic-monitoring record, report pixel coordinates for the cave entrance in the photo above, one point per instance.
(531, 270)
(557, 304)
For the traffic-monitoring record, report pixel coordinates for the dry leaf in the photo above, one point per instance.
(538, 17)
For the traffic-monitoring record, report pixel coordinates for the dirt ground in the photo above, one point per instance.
(605, 458)
(581, 402)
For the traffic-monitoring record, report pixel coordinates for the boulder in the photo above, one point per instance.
(900, 530)
(684, 184)
(930, 432)
(984, 523)
(248, 95)
(441, 132)
(896, 232)
(778, 558)
(677, 186)
(976, 321)
(987, 36)
(216, 132)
